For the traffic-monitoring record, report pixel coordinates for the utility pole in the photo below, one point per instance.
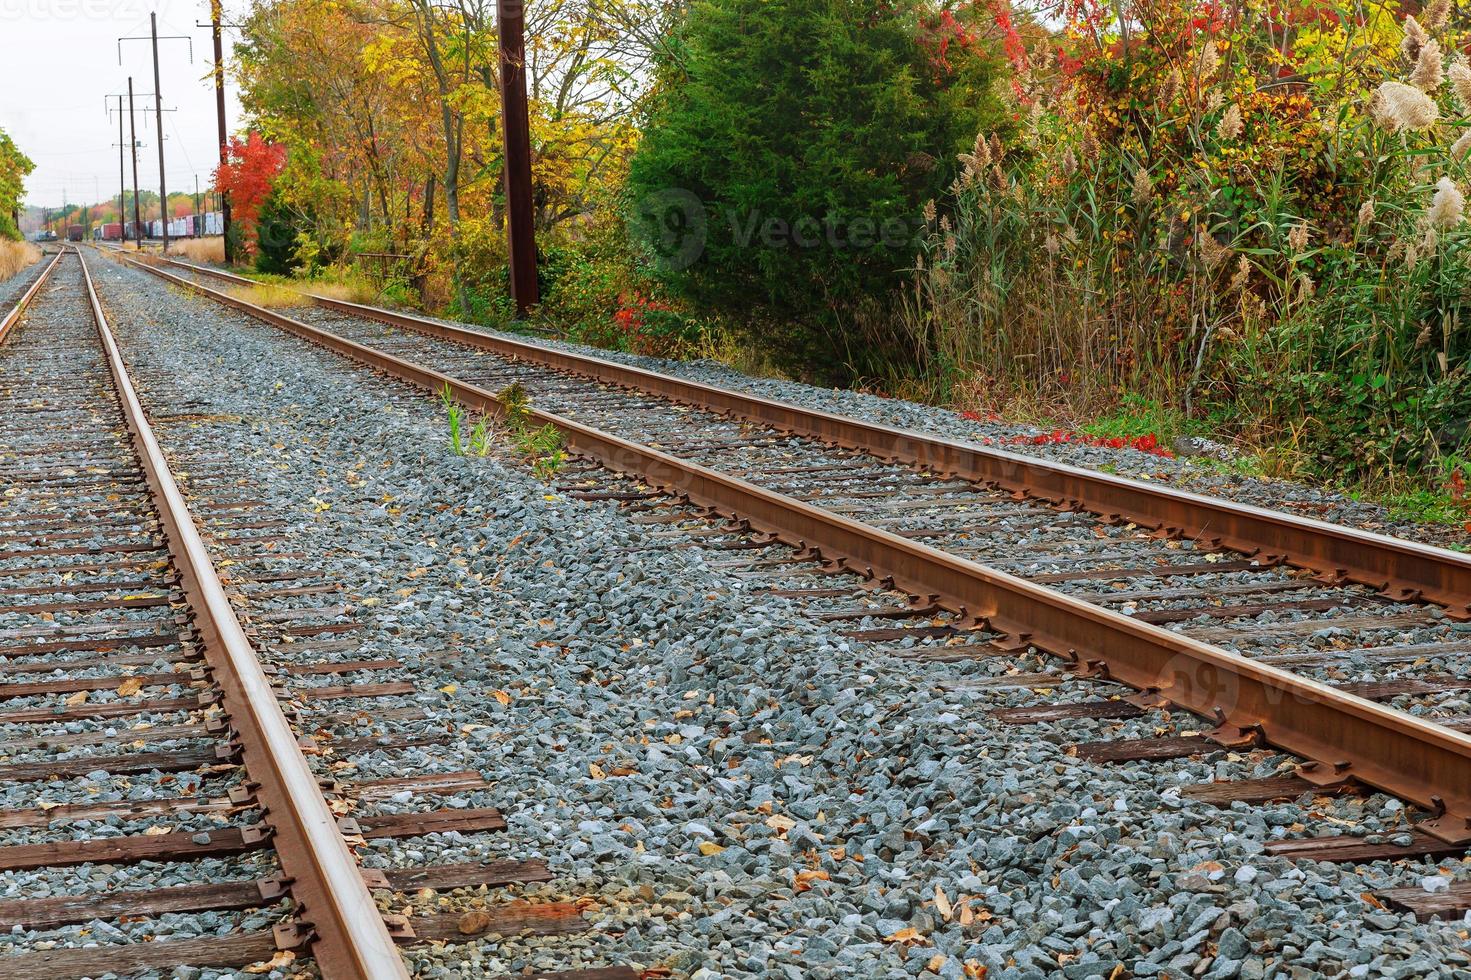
(214, 18)
(515, 122)
(122, 180)
(163, 192)
(133, 132)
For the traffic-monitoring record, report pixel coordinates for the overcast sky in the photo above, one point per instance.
(59, 58)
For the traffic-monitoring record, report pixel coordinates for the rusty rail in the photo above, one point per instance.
(1402, 570)
(13, 317)
(1342, 737)
(348, 937)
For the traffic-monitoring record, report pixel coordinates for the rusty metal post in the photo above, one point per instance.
(516, 124)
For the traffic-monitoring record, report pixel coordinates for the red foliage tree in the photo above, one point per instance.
(251, 166)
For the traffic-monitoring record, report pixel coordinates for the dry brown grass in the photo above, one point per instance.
(269, 295)
(347, 292)
(202, 250)
(15, 256)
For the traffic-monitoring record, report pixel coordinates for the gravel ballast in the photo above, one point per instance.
(743, 791)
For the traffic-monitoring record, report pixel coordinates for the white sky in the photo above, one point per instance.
(59, 58)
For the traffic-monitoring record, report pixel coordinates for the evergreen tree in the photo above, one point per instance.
(788, 153)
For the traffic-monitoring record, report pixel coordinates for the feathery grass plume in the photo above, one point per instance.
(1243, 273)
(1052, 244)
(1431, 239)
(1305, 286)
(1429, 73)
(1460, 146)
(1436, 14)
(1415, 38)
(1090, 145)
(1366, 213)
(1212, 252)
(1297, 237)
(929, 211)
(1171, 88)
(1398, 107)
(1448, 207)
(1460, 76)
(998, 152)
(1412, 256)
(978, 159)
(1143, 187)
(1231, 123)
(1210, 60)
(1069, 162)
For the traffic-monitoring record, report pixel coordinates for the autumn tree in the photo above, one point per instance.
(15, 166)
(247, 175)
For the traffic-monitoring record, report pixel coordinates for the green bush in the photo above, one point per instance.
(276, 237)
(787, 155)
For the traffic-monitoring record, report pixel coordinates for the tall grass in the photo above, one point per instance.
(269, 295)
(200, 250)
(1171, 222)
(15, 256)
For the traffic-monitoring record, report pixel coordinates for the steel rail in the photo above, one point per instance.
(1403, 570)
(13, 317)
(349, 937)
(1343, 737)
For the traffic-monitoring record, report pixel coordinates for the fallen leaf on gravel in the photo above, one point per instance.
(449, 688)
(501, 696)
(156, 830)
(806, 878)
(907, 935)
(942, 904)
(780, 823)
(76, 698)
(474, 922)
(48, 805)
(975, 970)
(596, 771)
(710, 848)
(129, 687)
(282, 959)
(936, 962)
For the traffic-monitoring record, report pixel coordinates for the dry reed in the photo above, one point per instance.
(15, 256)
(201, 250)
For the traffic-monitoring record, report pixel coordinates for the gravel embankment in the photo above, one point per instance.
(744, 792)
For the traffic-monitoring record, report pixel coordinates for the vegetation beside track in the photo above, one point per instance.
(1197, 220)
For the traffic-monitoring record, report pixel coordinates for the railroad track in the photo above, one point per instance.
(967, 553)
(167, 723)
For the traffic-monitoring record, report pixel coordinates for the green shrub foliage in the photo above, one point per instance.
(788, 153)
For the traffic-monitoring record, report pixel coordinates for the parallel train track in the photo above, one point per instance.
(973, 551)
(142, 728)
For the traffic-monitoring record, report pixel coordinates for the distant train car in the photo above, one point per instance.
(112, 232)
(75, 233)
